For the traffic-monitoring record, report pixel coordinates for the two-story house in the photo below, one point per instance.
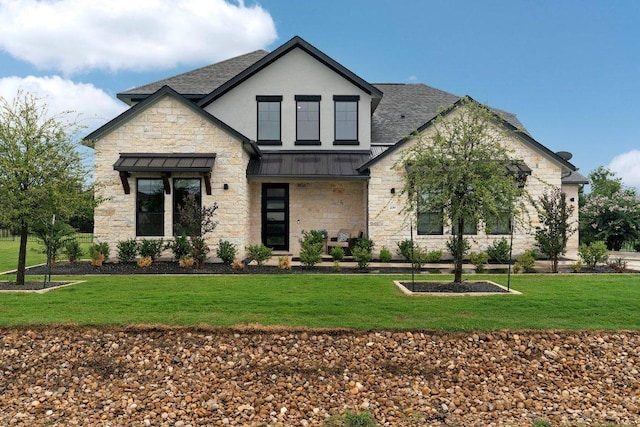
(283, 142)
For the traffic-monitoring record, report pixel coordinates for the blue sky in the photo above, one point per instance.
(569, 69)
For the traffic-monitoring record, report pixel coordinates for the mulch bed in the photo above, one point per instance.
(30, 286)
(449, 287)
(163, 267)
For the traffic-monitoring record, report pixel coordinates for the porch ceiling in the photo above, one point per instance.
(308, 165)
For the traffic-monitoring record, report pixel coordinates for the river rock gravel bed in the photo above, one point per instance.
(154, 376)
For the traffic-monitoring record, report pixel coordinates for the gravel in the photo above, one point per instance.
(252, 376)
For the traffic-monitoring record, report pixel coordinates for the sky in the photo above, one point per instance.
(569, 69)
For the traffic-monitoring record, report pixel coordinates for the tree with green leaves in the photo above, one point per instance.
(554, 231)
(41, 173)
(611, 213)
(463, 169)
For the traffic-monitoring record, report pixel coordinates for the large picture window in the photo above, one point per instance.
(150, 207)
(186, 192)
(308, 119)
(470, 227)
(346, 119)
(269, 116)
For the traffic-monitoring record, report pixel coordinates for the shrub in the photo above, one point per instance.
(180, 247)
(499, 251)
(434, 256)
(404, 249)
(576, 267)
(186, 262)
(259, 253)
(73, 250)
(351, 419)
(284, 263)
(127, 250)
(311, 248)
(199, 250)
(526, 261)
(593, 253)
(336, 266)
(150, 248)
(226, 251)
(237, 265)
(337, 253)
(362, 252)
(451, 246)
(618, 265)
(145, 262)
(479, 259)
(54, 242)
(99, 252)
(385, 254)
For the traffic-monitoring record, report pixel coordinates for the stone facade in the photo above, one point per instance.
(389, 221)
(316, 205)
(169, 126)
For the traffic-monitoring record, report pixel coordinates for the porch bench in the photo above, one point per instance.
(345, 239)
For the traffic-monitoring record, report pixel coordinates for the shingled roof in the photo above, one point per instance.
(196, 84)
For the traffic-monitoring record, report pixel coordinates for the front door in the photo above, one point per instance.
(275, 216)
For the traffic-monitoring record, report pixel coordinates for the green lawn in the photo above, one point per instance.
(35, 252)
(352, 301)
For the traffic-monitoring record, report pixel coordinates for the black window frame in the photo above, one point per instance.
(468, 229)
(269, 99)
(494, 225)
(346, 99)
(423, 217)
(140, 214)
(307, 99)
(175, 203)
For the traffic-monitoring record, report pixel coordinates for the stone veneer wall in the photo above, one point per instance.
(315, 205)
(389, 224)
(168, 126)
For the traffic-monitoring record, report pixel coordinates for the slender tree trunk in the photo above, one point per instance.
(22, 254)
(459, 252)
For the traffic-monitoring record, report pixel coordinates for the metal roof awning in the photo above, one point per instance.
(165, 164)
(308, 165)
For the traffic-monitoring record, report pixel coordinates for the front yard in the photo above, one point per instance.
(574, 302)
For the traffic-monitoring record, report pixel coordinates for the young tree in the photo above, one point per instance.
(554, 214)
(464, 171)
(41, 173)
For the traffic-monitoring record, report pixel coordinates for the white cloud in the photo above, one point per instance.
(94, 106)
(79, 35)
(627, 167)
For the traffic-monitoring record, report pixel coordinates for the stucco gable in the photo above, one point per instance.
(294, 43)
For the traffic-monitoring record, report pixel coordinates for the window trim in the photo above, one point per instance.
(270, 99)
(438, 233)
(174, 206)
(137, 206)
(346, 98)
(308, 98)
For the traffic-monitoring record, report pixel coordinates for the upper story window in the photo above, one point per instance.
(308, 119)
(346, 119)
(269, 118)
(150, 207)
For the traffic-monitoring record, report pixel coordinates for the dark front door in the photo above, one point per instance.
(275, 216)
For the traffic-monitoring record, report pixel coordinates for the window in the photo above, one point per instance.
(150, 207)
(499, 224)
(185, 190)
(346, 119)
(430, 223)
(470, 227)
(307, 119)
(269, 120)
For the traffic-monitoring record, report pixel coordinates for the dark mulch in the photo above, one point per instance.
(450, 287)
(163, 267)
(30, 286)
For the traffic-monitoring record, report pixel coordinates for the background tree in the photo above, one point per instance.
(462, 170)
(41, 173)
(611, 213)
(555, 230)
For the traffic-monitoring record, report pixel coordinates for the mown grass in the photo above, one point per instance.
(35, 252)
(573, 302)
